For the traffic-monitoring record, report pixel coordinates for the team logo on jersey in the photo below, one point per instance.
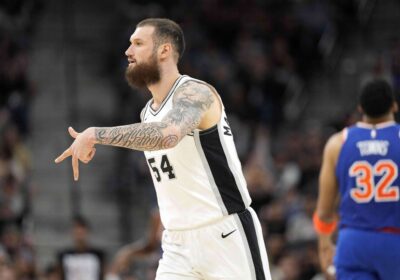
(373, 147)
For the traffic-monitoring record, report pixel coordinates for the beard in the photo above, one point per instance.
(143, 74)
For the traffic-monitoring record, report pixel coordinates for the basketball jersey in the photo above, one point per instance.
(200, 180)
(368, 177)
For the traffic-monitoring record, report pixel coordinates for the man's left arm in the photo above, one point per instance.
(191, 101)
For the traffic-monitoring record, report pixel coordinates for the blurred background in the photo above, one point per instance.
(288, 72)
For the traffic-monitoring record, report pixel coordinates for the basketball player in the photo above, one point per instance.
(211, 232)
(361, 168)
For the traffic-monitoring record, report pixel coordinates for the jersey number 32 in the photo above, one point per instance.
(367, 188)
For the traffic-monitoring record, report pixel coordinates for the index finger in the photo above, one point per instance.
(63, 156)
(75, 167)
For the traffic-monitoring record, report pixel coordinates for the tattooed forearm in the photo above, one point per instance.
(142, 137)
(191, 101)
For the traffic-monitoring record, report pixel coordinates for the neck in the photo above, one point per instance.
(385, 118)
(161, 89)
(81, 246)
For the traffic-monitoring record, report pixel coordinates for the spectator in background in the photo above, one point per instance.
(51, 273)
(19, 254)
(151, 245)
(81, 261)
(11, 202)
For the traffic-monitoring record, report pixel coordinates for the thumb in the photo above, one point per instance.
(72, 132)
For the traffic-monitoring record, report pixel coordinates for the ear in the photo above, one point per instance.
(395, 107)
(360, 110)
(165, 51)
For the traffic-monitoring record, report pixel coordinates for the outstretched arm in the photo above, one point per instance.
(191, 101)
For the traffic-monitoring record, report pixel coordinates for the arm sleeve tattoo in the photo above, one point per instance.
(191, 100)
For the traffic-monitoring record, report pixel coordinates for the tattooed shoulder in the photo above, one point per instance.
(194, 95)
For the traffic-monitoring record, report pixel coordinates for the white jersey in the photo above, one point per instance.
(200, 180)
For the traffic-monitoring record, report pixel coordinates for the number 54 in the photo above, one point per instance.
(165, 167)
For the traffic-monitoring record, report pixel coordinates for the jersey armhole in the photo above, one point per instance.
(345, 133)
(144, 110)
(215, 93)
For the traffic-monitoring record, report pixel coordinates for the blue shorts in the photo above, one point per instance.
(367, 255)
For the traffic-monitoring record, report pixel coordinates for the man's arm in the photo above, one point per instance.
(191, 101)
(126, 254)
(327, 198)
(328, 188)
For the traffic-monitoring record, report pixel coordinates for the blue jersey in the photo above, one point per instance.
(368, 176)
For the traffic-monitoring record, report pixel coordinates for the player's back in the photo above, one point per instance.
(368, 177)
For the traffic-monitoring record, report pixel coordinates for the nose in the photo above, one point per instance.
(129, 51)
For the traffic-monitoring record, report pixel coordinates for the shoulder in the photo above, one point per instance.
(193, 85)
(334, 145)
(194, 92)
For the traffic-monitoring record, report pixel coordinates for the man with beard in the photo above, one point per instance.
(210, 230)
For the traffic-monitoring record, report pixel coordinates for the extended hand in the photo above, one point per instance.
(326, 254)
(81, 149)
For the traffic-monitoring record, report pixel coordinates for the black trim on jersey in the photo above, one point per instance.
(223, 177)
(249, 229)
(153, 112)
(208, 130)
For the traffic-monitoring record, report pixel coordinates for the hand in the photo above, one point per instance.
(81, 149)
(122, 260)
(326, 250)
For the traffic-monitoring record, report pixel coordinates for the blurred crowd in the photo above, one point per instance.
(260, 56)
(17, 256)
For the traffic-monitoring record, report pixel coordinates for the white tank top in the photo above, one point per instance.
(200, 180)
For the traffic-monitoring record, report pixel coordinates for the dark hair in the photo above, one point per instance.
(80, 221)
(376, 98)
(166, 30)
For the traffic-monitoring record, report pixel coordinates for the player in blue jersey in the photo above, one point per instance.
(360, 171)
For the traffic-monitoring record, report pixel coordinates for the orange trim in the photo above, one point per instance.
(390, 230)
(322, 227)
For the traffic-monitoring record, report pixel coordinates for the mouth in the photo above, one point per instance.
(131, 62)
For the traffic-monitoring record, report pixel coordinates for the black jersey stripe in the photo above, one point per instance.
(219, 167)
(207, 169)
(251, 236)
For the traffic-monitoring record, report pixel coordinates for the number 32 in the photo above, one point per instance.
(366, 189)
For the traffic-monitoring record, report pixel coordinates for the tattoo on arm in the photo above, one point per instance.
(190, 101)
(139, 136)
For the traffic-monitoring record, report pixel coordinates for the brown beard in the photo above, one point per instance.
(143, 74)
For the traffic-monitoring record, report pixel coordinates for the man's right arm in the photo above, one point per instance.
(327, 198)
(328, 186)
